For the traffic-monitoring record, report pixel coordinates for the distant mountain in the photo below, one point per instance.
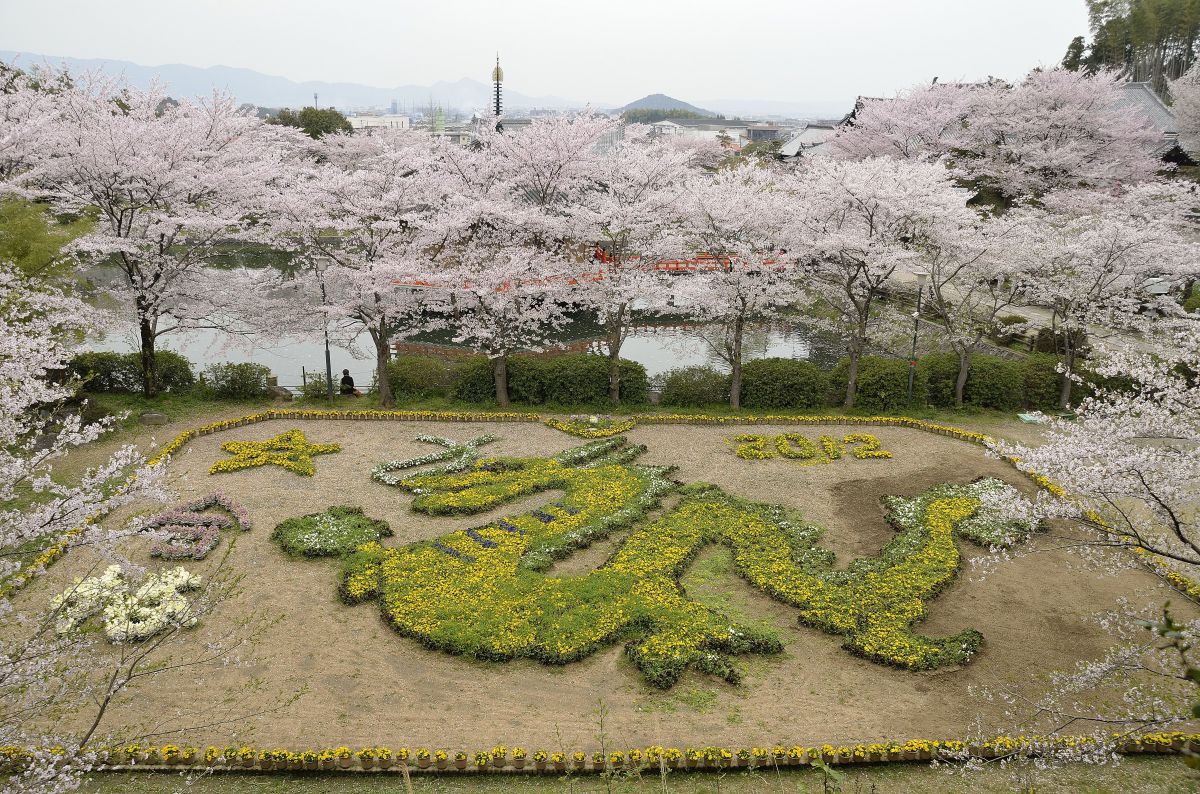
(663, 102)
(267, 90)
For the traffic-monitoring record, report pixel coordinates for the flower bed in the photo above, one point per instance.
(591, 426)
(128, 614)
(457, 456)
(289, 450)
(475, 591)
(797, 446)
(334, 533)
(190, 533)
(53, 552)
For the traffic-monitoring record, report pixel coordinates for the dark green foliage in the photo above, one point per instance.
(1191, 304)
(1148, 40)
(992, 382)
(651, 115)
(695, 387)
(882, 384)
(314, 121)
(1041, 380)
(237, 380)
(995, 382)
(418, 376)
(122, 372)
(783, 383)
(571, 379)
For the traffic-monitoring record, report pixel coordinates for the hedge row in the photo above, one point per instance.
(572, 379)
(775, 383)
(122, 372)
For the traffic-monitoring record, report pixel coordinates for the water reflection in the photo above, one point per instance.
(657, 347)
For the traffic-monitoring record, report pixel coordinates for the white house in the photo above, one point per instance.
(390, 120)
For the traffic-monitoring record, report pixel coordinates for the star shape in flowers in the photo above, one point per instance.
(290, 450)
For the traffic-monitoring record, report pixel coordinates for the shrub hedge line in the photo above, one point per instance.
(582, 379)
(775, 383)
(122, 372)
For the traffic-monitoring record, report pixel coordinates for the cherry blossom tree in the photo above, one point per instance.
(507, 240)
(637, 185)
(1089, 256)
(1123, 486)
(358, 216)
(1055, 130)
(40, 674)
(855, 224)
(1185, 95)
(731, 221)
(170, 184)
(971, 281)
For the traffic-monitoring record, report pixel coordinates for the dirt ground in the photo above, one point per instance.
(365, 684)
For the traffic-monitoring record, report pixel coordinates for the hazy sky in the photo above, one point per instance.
(602, 52)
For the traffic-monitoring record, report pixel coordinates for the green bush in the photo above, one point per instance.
(571, 379)
(995, 382)
(1191, 304)
(992, 382)
(1041, 379)
(882, 384)
(243, 380)
(783, 383)
(122, 372)
(694, 387)
(418, 376)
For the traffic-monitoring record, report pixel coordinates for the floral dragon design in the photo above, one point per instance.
(490, 591)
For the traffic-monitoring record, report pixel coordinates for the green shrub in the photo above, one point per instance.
(995, 382)
(1041, 379)
(992, 382)
(783, 383)
(418, 376)
(122, 372)
(571, 379)
(1191, 304)
(941, 373)
(237, 381)
(694, 387)
(882, 384)
(174, 371)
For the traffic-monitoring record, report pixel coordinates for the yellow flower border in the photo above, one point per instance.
(137, 756)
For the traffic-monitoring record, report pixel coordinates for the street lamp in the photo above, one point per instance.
(912, 359)
(321, 267)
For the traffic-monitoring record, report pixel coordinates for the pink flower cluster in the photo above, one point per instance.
(190, 533)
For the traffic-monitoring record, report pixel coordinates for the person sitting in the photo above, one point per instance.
(348, 385)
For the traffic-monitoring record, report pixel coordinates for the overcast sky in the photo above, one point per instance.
(601, 52)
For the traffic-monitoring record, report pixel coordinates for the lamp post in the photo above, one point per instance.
(912, 359)
(321, 266)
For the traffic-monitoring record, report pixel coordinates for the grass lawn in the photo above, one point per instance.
(1152, 775)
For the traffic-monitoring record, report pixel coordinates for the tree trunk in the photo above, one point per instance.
(1064, 392)
(856, 346)
(500, 373)
(960, 385)
(383, 355)
(615, 324)
(735, 361)
(149, 362)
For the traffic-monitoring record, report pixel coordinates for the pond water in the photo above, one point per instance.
(658, 348)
